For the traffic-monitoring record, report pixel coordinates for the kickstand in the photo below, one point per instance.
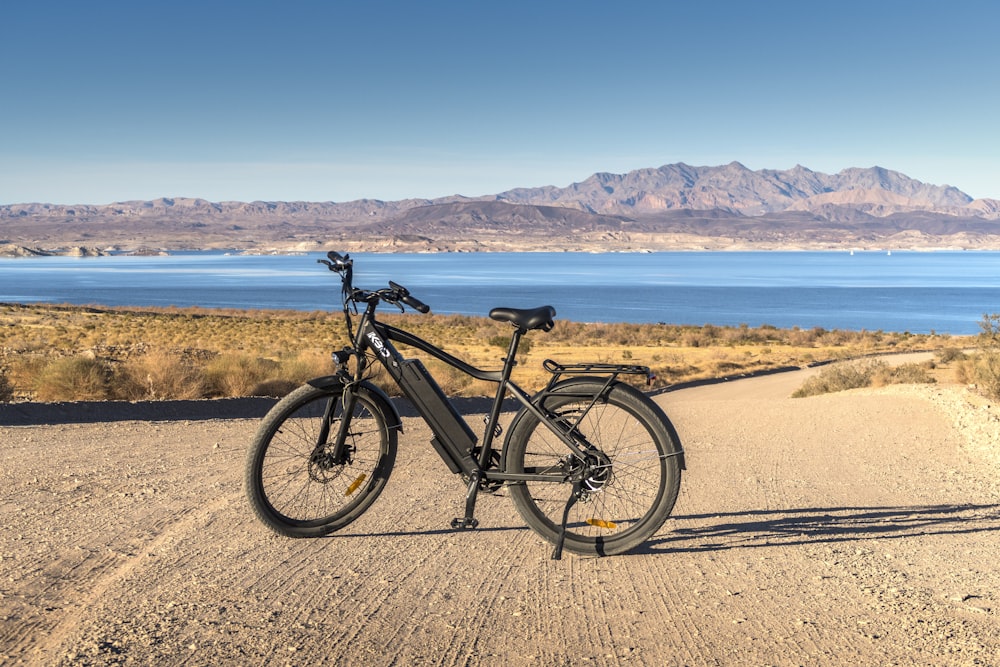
(469, 522)
(557, 553)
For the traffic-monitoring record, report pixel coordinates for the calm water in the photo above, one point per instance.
(947, 292)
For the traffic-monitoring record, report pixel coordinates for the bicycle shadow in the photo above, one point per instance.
(796, 527)
(430, 531)
(754, 529)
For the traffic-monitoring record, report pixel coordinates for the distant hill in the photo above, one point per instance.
(673, 206)
(736, 189)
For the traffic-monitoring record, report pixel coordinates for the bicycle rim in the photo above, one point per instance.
(294, 485)
(624, 501)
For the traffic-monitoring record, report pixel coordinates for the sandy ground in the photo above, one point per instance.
(858, 528)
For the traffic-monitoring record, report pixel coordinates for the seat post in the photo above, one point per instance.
(511, 360)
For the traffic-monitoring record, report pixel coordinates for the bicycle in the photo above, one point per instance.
(592, 464)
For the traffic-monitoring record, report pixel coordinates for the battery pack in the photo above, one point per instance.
(450, 430)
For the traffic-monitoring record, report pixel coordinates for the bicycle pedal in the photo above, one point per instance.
(497, 429)
(464, 523)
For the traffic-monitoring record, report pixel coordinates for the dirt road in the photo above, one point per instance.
(860, 528)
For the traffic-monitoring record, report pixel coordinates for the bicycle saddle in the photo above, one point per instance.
(526, 318)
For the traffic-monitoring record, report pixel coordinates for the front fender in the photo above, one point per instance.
(337, 382)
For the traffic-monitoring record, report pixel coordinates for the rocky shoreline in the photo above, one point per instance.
(581, 244)
(11, 251)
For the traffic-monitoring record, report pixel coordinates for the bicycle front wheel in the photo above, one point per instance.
(633, 486)
(295, 483)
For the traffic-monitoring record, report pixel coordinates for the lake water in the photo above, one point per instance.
(920, 292)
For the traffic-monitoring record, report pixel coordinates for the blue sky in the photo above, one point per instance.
(305, 100)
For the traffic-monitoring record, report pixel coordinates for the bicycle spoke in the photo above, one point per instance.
(295, 485)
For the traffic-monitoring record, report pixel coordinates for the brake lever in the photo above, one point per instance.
(411, 301)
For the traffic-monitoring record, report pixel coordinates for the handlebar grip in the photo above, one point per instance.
(411, 301)
(416, 304)
(340, 261)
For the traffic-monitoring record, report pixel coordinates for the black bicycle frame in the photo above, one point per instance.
(453, 439)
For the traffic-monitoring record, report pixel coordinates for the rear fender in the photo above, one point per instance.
(585, 386)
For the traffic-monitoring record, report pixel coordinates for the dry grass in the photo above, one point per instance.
(158, 375)
(979, 369)
(864, 373)
(76, 378)
(185, 353)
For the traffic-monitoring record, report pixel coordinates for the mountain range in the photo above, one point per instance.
(676, 206)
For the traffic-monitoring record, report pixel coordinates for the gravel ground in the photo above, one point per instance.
(856, 528)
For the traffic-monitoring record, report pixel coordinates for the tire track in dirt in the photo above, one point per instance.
(100, 586)
(84, 505)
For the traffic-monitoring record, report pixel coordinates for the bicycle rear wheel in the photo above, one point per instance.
(292, 481)
(628, 495)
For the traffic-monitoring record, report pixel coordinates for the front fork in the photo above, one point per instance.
(339, 454)
(340, 448)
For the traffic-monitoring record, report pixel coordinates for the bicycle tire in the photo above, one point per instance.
(627, 506)
(291, 488)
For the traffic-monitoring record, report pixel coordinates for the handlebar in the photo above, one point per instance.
(396, 294)
(411, 301)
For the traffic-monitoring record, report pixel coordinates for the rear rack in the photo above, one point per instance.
(613, 370)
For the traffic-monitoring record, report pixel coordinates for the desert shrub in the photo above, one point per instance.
(983, 369)
(158, 375)
(724, 367)
(903, 374)
(691, 339)
(78, 378)
(6, 388)
(304, 366)
(989, 332)
(964, 371)
(503, 342)
(988, 359)
(24, 370)
(949, 355)
(237, 374)
(988, 373)
(840, 376)
(863, 373)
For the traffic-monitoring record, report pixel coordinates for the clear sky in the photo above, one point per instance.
(111, 100)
